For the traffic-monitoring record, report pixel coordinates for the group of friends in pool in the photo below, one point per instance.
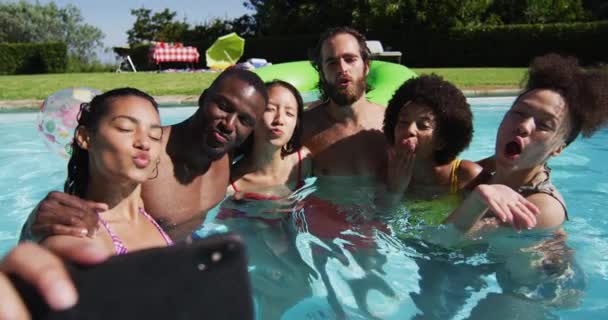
(134, 184)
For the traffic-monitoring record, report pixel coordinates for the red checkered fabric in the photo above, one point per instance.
(174, 54)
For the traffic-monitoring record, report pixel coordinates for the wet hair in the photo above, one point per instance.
(316, 56)
(584, 91)
(238, 73)
(89, 116)
(295, 142)
(449, 106)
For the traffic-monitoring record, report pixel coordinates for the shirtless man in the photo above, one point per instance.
(193, 171)
(344, 131)
(344, 136)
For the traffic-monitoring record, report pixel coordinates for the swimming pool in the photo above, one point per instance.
(303, 276)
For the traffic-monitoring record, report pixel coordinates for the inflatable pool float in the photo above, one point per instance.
(384, 77)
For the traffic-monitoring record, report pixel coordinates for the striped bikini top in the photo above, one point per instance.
(119, 245)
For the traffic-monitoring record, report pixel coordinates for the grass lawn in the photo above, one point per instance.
(469, 78)
(156, 84)
(162, 84)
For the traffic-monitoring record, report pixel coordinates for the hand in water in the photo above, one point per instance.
(46, 272)
(63, 214)
(508, 206)
(401, 165)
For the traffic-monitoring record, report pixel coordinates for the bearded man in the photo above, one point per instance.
(343, 131)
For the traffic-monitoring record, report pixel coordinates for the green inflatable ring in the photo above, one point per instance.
(384, 77)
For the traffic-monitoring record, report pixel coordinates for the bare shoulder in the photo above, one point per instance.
(312, 113)
(467, 171)
(552, 213)
(305, 152)
(488, 164)
(375, 109)
(237, 170)
(220, 167)
(311, 122)
(375, 115)
(218, 177)
(374, 106)
(306, 162)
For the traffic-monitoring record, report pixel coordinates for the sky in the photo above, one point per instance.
(114, 17)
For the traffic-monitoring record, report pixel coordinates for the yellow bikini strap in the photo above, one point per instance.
(454, 176)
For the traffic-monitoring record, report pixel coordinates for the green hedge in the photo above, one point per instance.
(23, 58)
(487, 46)
(504, 46)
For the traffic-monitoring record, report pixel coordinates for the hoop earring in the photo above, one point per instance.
(155, 171)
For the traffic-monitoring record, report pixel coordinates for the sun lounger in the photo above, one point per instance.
(378, 52)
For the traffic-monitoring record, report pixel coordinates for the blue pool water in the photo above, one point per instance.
(299, 276)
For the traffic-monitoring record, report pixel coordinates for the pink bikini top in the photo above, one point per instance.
(119, 246)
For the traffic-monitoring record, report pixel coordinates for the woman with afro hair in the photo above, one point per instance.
(560, 101)
(427, 123)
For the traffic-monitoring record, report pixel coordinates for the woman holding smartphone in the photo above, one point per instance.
(116, 148)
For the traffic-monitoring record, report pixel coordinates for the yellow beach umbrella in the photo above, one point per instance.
(225, 51)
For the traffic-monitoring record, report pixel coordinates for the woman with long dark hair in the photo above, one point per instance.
(273, 162)
(116, 148)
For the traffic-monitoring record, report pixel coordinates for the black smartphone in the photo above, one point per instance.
(201, 279)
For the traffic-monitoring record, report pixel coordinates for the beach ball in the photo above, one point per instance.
(58, 118)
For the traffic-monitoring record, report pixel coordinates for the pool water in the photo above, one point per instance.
(301, 270)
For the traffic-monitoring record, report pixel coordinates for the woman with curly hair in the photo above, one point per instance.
(427, 123)
(560, 101)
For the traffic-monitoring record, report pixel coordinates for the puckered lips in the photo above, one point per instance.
(276, 133)
(141, 160)
(513, 149)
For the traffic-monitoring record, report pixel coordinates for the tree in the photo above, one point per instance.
(244, 25)
(597, 8)
(287, 17)
(540, 11)
(157, 27)
(550, 11)
(205, 34)
(27, 22)
(283, 17)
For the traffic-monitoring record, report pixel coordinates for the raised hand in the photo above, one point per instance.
(508, 205)
(45, 271)
(401, 159)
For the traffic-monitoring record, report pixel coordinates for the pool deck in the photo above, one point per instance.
(34, 104)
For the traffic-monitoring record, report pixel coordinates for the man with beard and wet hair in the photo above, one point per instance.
(344, 131)
(193, 170)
